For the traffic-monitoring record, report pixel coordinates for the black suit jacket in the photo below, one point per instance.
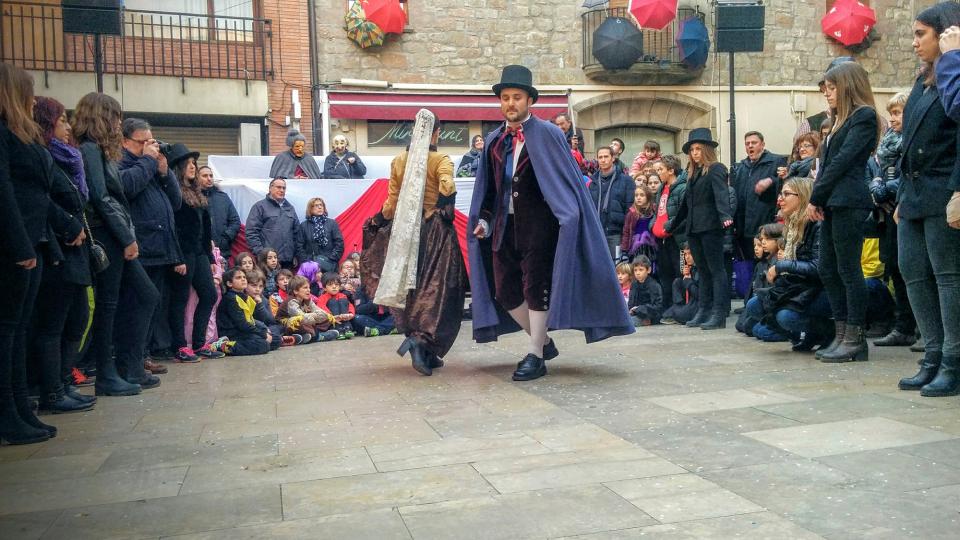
(929, 155)
(840, 181)
(706, 202)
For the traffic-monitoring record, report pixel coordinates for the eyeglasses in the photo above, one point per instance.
(785, 194)
(144, 141)
(807, 145)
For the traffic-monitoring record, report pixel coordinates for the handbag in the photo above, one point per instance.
(98, 254)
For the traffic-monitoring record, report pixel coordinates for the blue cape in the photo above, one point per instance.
(585, 294)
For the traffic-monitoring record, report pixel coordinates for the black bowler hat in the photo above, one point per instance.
(179, 152)
(516, 77)
(834, 63)
(699, 135)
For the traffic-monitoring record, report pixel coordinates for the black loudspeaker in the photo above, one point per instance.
(740, 28)
(93, 16)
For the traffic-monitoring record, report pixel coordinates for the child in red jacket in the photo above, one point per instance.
(337, 304)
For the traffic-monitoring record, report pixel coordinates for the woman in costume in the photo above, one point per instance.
(427, 305)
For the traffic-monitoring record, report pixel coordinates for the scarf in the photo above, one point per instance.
(320, 230)
(889, 149)
(70, 161)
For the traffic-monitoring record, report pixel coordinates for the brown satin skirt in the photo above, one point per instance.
(435, 308)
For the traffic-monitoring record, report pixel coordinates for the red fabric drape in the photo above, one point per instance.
(352, 219)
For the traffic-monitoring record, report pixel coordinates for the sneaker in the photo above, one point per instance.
(287, 341)
(349, 334)
(217, 344)
(185, 355)
(226, 346)
(207, 352)
(394, 331)
(668, 321)
(304, 338)
(162, 354)
(329, 335)
(370, 332)
(79, 379)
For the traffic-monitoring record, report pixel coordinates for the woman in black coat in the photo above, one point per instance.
(841, 200)
(26, 242)
(96, 126)
(62, 311)
(703, 216)
(319, 238)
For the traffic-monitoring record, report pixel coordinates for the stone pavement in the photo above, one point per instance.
(669, 433)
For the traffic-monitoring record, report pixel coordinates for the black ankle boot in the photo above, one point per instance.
(895, 339)
(14, 430)
(71, 391)
(25, 410)
(717, 319)
(62, 403)
(418, 355)
(109, 382)
(929, 365)
(852, 348)
(701, 317)
(839, 329)
(946, 383)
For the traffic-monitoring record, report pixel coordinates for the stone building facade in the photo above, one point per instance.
(459, 46)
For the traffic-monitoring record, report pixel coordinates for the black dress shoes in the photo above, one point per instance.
(550, 350)
(530, 368)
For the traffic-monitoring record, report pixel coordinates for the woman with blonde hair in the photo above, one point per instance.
(841, 200)
(703, 216)
(319, 238)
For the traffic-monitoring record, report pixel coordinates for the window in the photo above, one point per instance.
(221, 20)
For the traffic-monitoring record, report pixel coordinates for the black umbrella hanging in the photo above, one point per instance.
(617, 43)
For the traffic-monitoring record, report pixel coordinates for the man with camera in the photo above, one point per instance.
(154, 195)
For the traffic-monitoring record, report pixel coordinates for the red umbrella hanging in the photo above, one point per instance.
(848, 22)
(387, 14)
(655, 14)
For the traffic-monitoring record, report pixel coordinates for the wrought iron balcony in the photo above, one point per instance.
(660, 63)
(153, 43)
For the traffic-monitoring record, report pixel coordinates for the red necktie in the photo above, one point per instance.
(517, 132)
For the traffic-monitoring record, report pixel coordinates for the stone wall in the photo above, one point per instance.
(468, 41)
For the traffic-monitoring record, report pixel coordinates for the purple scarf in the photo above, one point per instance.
(70, 161)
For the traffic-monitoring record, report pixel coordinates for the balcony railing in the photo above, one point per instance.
(153, 43)
(660, 62)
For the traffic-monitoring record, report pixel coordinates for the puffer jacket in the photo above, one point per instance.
(674, 201)
(273, 224)
(153, 200)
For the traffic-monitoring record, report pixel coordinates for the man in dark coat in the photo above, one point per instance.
(757, 185)
(273, 223)
(224, 219)
(611, 192)
(536, 232)
(562, 120)
(153, 192)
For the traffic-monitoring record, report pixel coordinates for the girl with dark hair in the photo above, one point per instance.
(841, 200)
(192, 220)
(96, 126)
(62, 310)
(929, 246)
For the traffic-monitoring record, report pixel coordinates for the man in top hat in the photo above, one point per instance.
(538, 256)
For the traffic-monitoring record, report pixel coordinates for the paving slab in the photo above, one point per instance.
(374, 525)
(683, 497)
(753, 526)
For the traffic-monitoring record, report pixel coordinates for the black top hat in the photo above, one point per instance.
(517, 77)
(179, 152)
(699, 135)
(834, 63)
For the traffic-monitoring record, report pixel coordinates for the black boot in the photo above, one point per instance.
(929, 365)
(701, 317)
(718, 319)
(109, 382)
(839, 329)
(530, 368)
(852, 348)
(59, 403)
(895, 338)
(71, 391)
(13, 429)
(418, 355)
(135, 373)
(25, 410)
(946, 383)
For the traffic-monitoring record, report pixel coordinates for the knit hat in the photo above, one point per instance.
(294, 136)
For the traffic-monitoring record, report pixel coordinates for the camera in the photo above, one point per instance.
(165, 148)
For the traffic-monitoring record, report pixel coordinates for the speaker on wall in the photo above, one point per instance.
(739, 28)
(93, 16)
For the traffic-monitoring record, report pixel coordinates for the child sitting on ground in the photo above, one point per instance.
(372, 319)
(646, 298)
(771, 238)
(311, 271)
(279, 297)
(686, 289)
(244, 334)
(625, 277)
(349, 279)
(300, 315)
(337, 304)
(262, 312)
(745, 322)
(269, 264)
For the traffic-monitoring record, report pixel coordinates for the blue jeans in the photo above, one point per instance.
(814, 320)
(930, 263)
(384, 326)
(761, 331)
